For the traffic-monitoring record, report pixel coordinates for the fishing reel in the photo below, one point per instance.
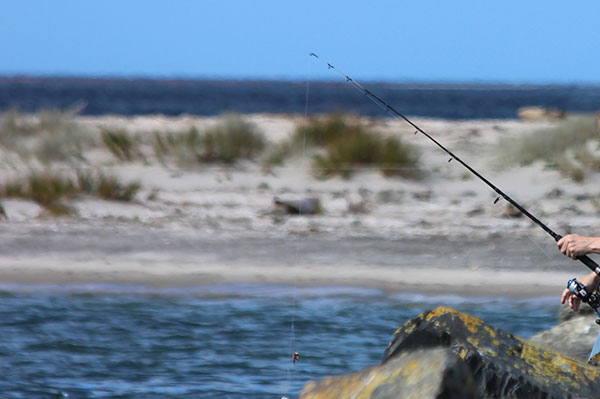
(581, 292)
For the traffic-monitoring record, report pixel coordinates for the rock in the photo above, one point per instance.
(574, 337)
(503, 366)
(448, 354)
(302, 206)
(419, 374)
(565, 313)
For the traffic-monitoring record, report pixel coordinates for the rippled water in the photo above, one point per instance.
(230, 341)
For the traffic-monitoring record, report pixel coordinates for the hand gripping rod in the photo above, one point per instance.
(397, 115)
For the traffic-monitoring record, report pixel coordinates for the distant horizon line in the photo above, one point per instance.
(174, 80)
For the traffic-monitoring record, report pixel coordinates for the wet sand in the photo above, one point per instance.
(117, 253)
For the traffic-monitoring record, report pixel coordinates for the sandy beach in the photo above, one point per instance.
(215, 224)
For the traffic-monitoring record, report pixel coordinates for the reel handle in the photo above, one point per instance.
(581, 292)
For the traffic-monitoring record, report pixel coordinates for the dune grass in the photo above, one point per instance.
(122, 144)
(51, 188)
(105, 186)
(348, 145)
(180, 147)
(48, 136)
(571, 147)
(229, 141)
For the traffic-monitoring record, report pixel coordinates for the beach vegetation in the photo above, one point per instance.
(120, 143)
(230, 140)
(571, 147)
(322, 131)
(49, 188)
(180, 147)
(106, 186)
(347, 145)
(48, 136)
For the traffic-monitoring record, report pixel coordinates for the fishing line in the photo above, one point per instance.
(397, 115)
(295, 355)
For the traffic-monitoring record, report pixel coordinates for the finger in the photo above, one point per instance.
(574, 303)
(563, 240)
(573, 254)
(566, 294)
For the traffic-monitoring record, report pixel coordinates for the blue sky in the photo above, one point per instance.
(524, 41)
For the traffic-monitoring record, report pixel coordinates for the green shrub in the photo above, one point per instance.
(120, 143)
(48, 136)
(49, 188)
(181, 147)
(231, 139)
(42, 187)
(321, 131)
(564, 147)
(349, 145)
(399, 159)
(106, 186)
(111, 188)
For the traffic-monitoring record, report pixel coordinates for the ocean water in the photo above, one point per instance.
(229, 341)
(212, 97)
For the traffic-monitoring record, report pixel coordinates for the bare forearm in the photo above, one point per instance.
(591, 281)
(575, 245)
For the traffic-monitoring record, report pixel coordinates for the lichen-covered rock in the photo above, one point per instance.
(565, 313)
(503, 366)
(421, 374)
(574, 337)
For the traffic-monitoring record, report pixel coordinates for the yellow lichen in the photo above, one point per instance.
(472, 323)
(490, 331)
(441, 310)
(473, 341)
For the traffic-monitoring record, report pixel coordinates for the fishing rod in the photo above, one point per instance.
(574, 286)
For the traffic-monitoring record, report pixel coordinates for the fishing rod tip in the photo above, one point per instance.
(313, 55)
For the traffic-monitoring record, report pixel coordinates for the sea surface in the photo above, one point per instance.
(93, 96)
(225, 341)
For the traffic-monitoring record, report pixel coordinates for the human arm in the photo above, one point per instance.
(574, 245)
